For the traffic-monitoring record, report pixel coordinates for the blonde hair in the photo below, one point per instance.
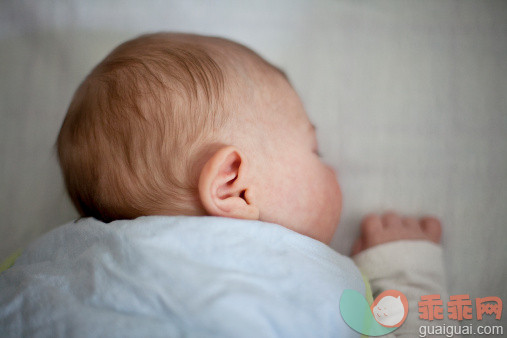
(129, 142)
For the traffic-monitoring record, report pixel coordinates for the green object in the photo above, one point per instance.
(367, 286)
(367, 293)
(9, 261)
(357, 314)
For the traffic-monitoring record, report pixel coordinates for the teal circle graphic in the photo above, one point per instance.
(356, 312)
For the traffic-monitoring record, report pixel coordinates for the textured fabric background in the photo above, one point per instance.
(409, 99)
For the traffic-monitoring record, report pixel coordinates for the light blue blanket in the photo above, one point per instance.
(161, 276)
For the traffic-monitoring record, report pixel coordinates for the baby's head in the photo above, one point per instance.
(179, 124)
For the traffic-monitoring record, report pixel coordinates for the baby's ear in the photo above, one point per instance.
(224, 187)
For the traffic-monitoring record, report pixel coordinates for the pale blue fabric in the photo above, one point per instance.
(161, 276)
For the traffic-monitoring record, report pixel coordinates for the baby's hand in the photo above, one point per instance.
(392, 227)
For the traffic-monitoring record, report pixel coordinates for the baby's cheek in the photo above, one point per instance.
(330, 198)
(335, 194)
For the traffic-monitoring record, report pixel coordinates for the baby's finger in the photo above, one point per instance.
(372, 231)
(432, 228)
(411, 223)
(371, 225)
(391, 220)
(358, 246)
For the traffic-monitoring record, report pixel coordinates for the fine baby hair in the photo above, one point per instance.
(138, 124)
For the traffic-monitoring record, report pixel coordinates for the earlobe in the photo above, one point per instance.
(224, 186)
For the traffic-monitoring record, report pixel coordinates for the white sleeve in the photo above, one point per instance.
(414, 267)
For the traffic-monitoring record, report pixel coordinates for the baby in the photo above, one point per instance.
(174, 125)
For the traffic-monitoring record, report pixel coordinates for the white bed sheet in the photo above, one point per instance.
(409, 99)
